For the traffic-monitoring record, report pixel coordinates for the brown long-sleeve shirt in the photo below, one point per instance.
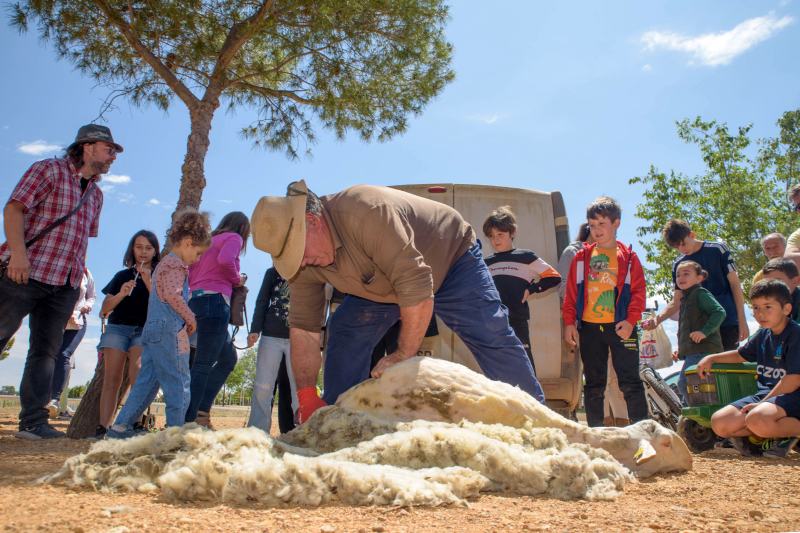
(390, 247)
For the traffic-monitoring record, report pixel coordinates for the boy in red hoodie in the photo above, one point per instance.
(605, 297)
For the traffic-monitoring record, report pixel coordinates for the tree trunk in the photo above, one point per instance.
(193, 179)
(87, 417)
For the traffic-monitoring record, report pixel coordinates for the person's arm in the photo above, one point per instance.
(414, 321)
(306, 362)
(738, 298)
(624, 328)
(563, 265)
(568, 309)
(94, 229)
(716, 313)
(704, 366)
(548, 278)
(91, 295)
(227, 258)
(262, 300)
(19, 267)
(788, 384)
(115, 292)
(169, 285)
(670, 309)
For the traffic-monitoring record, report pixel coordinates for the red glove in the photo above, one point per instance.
(309, 402)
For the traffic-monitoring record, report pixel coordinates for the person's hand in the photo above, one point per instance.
(749, 407)
(704, 367)
(571, 335)
(675, 355)
(85, 310)
(649, 324)
(624, 329)
(251, 339)
(525, 296)
(386, 362)
(127, 288)
(19, 268)
(697, 336)
(145, 273)
(309, 402)
(191, 326)
(744, 330)
(242, 280)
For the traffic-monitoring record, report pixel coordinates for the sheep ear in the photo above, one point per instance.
(645, 452)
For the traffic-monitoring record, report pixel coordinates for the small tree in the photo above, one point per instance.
(736, 200)
(78, 391)
(8, 390)
(241, 380)
(7, 349)
(361, 65)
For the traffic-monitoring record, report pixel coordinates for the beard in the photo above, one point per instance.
(99, 167)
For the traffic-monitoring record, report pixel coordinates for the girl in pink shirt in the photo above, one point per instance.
(211, 282)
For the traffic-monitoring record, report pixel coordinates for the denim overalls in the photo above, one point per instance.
(162, 365)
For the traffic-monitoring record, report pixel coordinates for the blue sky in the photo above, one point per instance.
(569, 96)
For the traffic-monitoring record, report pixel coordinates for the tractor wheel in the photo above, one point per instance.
(698, 438)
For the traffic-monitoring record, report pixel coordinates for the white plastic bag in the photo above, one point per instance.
(655, 348)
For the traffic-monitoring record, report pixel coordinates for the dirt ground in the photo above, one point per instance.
(724, 492)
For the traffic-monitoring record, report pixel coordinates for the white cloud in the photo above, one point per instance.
(38, 147)
(124, 197)
(714, 49)
(117, 179)
(647, 68)
(153, 201)
(487, 119)
(106, 187)
(226, 201)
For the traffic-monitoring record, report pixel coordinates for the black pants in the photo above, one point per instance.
(48, 308)
(284, 390)
(596, 340)
(520, 327)
(730, 337)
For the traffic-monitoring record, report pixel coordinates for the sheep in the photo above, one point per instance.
(434, 389)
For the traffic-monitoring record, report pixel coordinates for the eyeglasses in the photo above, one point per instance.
(110, 150)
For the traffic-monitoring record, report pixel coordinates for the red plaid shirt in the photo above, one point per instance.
(50, 189)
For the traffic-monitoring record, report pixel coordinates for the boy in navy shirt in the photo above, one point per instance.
(771, 417)
(517, 273)
(722, 281)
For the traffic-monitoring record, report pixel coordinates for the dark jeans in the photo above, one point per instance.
(467, 302)
(284, 390)
(215, 357)
(521, 330)
(730, 337)
(48, 308)
(596, 340)
(72, 338)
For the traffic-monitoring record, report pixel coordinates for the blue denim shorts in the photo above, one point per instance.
(120, 337)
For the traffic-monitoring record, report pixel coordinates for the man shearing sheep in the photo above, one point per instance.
(396, 256)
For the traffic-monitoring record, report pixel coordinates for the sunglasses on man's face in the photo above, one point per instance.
(110, 150)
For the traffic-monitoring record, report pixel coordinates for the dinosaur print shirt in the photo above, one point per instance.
(600, 285)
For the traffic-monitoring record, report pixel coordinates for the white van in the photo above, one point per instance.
(543, 228)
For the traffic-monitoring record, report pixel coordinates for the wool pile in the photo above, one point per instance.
(352, 458)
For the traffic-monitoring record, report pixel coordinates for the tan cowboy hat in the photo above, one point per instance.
(278, 227)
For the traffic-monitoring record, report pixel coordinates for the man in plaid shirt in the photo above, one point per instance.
(42, 281)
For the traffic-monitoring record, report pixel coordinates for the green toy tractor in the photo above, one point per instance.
(726, 383)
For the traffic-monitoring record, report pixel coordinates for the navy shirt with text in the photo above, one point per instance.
(774, 355)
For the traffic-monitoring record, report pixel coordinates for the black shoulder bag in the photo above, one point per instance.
(45, 231)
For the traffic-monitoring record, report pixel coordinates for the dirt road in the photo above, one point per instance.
(724, 492)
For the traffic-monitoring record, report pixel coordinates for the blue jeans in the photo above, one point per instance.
(467, 302)
(214, 357)
(271, 351)
(690, 360)
(72, 338)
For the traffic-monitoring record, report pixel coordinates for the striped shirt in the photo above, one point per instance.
(50, 189)
(515, 271)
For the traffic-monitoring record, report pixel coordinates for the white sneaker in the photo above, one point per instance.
(53, 409)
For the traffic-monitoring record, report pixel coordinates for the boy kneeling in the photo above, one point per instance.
(769, 420)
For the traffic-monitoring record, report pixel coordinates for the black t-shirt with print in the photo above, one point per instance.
(131, 310)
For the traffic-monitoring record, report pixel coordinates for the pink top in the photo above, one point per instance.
(218, 268)
(170, 275)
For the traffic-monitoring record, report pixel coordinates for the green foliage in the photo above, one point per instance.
(361, 65)
(739, 198)
(8, 390)
(77, 391)
(240, 382)
(7, 350)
